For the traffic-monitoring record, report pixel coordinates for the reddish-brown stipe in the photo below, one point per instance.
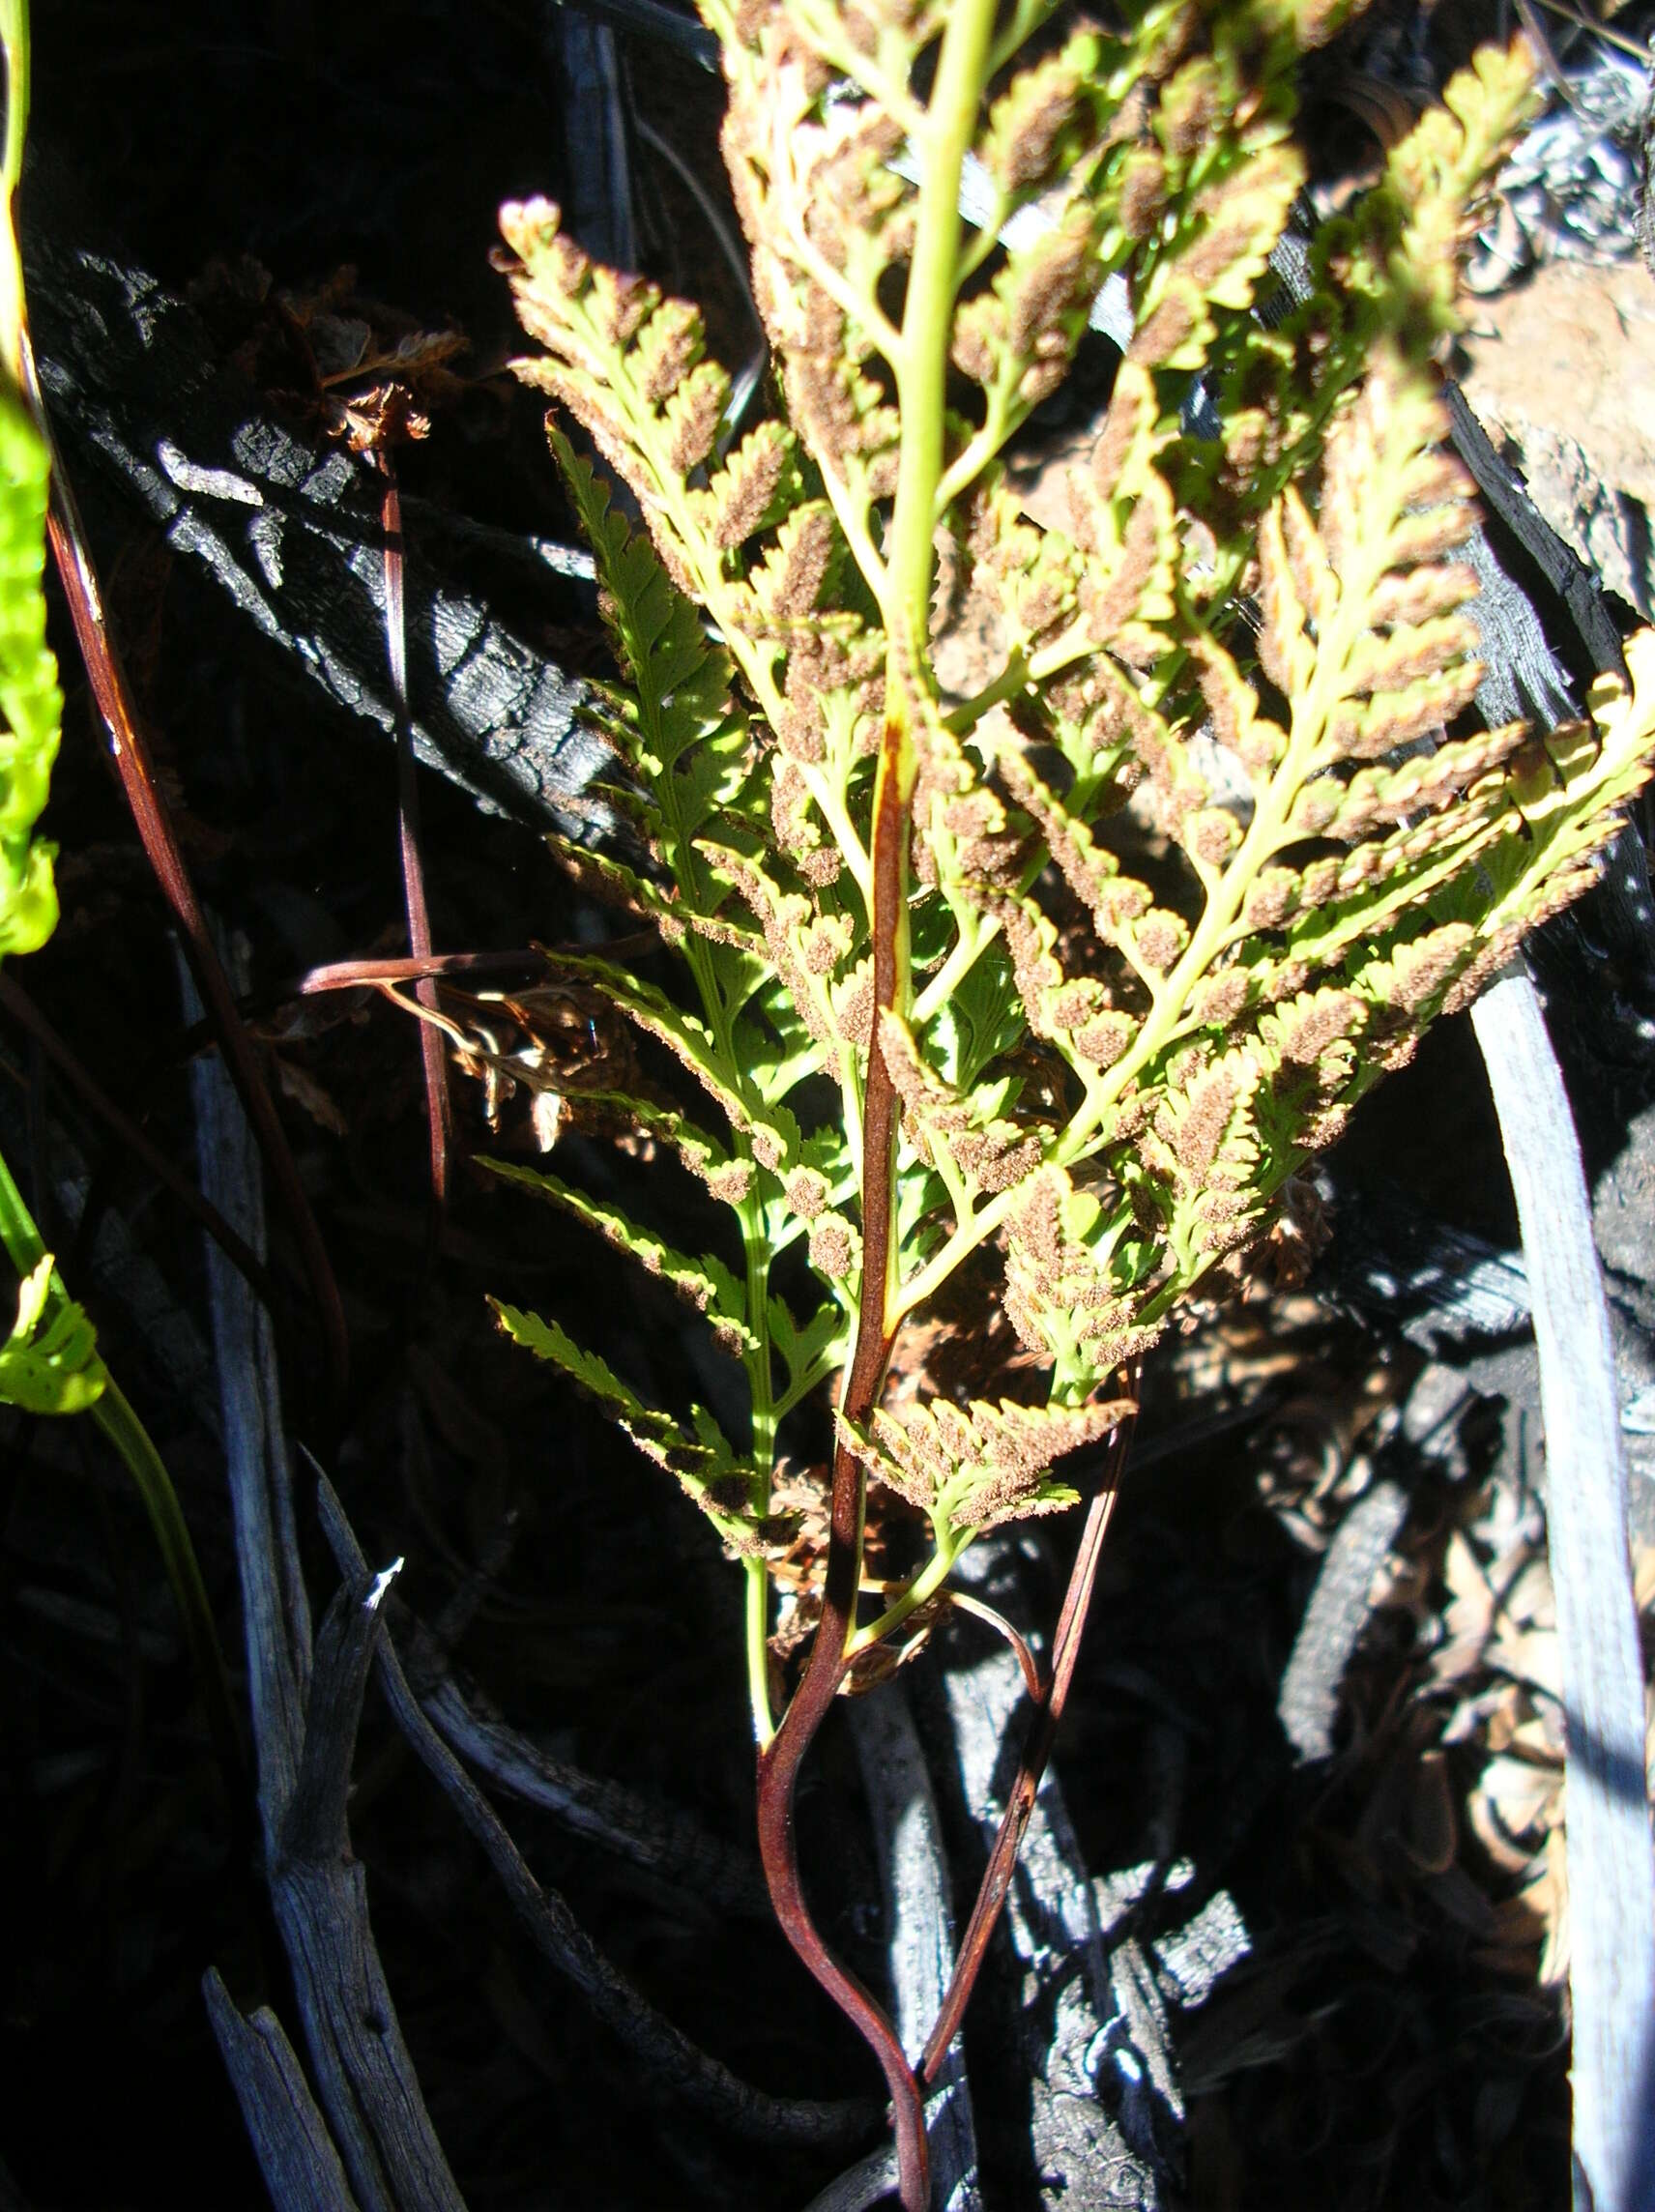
(438, 1111)
(825, 1668)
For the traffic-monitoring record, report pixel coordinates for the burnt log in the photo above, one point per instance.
(290, 532)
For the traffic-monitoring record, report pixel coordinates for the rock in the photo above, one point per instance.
(1562, 369)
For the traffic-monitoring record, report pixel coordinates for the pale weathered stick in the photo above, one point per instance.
(290, 2138)
(319, 1892)
(305, 1713)
(275, 1606)
(1612, 1876)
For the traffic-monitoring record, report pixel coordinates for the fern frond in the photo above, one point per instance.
(700, 1458)
(706, 1284)
(700, 1154)
(973, 1467)
(810, 1353)
(1095, 940)
(686, 1035)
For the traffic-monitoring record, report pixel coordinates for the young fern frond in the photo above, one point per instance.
(50, 1368)
(1096, 953)
(48, 1362)
(31, 702)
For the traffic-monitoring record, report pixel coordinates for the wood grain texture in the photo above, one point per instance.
(307, 1701)
(290, 2138)
(290, 532)
(1611, 1874)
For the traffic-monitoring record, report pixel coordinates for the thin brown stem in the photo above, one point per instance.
(1036, 1752)
(438, 1109)
(373, 969)
(961, 1601)
(824, 1668)
(130, 751)
(370, 971)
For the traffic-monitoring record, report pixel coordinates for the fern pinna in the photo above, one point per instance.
(1089, 957)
